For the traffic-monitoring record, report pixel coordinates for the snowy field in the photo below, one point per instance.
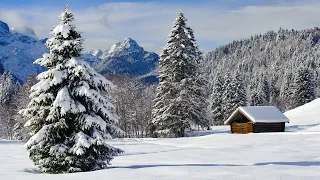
(293, 155)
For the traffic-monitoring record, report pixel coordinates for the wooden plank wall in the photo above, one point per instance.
(241, 128)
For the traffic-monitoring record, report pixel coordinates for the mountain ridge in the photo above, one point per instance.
(125, 57)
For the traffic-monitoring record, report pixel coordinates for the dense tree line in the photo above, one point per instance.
(278, 68)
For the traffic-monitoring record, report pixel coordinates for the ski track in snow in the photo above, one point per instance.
(214, 154)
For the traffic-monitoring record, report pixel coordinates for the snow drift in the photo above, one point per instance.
(305, 118)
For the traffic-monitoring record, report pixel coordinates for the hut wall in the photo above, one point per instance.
(241, 128)
(268, 127)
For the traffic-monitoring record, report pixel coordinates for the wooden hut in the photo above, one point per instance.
(257, 119)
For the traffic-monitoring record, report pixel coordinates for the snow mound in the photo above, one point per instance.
(305, 118)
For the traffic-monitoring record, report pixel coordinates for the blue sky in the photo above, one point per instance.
(215, 22)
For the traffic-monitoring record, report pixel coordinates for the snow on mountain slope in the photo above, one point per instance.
(25, 31)
(125, 57)
(305, 118)
(19, 48)
(18, 52)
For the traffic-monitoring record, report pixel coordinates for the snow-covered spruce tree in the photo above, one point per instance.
(240, 94)
(8, 89)
(258, 95)
(178, 102)
(19, 101)
(199, 84)
(216, 104)
(234, 94)
(303, 87)
(286, 91)
(265, 87)
(274, 93)
(69, 119)
(228, 96)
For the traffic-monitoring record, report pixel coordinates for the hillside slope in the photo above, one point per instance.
(275, 55)
(305, 118)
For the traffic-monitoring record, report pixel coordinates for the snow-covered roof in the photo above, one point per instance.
(263, 114)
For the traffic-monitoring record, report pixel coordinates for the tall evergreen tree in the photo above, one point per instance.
(240, 92)
(8, 89)
(70, 121)
(286, 91)
(20, 101)
(199, 84)
(179, 101)
(258, 91)
(274, 93)
(234, 94)
(216, 101)
(303, 87)
(228, 96)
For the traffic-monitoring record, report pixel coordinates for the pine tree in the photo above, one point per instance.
(179, 98)
(70, 121)
(286, 91)
(228, 96)
(8, 89)
(216, 101)
(20, 101)
(259, 91)
(265, 87)
(274, 93)
(303, 87)
(240, 94)
(199, 84)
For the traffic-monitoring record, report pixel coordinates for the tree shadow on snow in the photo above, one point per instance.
(298, 163)
(155, 152)
(31, 170)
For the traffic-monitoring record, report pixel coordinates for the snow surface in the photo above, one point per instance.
(215, 154)
(305, 118)
(260, 114)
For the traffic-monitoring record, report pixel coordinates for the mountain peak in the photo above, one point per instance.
(4, 28)
(127, 45)
(130, 45)
(96, 52)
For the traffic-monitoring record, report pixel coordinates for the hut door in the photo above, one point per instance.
(241, 128)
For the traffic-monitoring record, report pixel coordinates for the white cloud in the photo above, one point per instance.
(13, 18)
(150, 23)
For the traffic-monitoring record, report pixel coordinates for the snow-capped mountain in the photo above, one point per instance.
(18, 52)
(125, 57)
(20, 47)
(25, 31)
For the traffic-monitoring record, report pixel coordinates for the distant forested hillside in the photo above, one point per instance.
(284, 62)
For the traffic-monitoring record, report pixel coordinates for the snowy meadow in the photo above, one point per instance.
(217, 154)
